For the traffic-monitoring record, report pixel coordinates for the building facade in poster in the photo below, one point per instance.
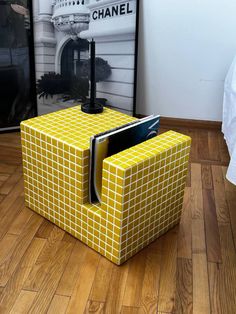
(63, 29)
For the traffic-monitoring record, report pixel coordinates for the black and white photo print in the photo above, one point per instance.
(63, 30)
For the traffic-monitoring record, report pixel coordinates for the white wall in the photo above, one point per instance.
(185, 50)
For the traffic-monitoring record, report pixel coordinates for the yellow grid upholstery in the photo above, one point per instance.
(142, 187)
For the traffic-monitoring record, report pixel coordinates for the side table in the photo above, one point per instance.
(142, 187)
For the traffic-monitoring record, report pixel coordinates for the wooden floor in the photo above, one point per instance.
(191, 269)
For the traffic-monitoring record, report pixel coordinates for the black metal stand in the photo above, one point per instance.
(92, 107)
(95, 108)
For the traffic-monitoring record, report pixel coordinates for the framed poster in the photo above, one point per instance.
(63, 30)
(17, 77)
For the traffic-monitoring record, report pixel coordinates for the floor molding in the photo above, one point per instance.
(188, 123)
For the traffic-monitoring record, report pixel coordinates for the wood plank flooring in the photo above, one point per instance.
(191, 269)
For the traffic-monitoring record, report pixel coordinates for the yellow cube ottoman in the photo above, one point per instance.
(142, 187)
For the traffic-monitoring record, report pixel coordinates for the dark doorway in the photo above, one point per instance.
(74, 54)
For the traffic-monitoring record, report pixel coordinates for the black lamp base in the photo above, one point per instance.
(92, 109)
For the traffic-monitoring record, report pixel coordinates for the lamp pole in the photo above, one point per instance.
(92, 106)
(92, 73)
